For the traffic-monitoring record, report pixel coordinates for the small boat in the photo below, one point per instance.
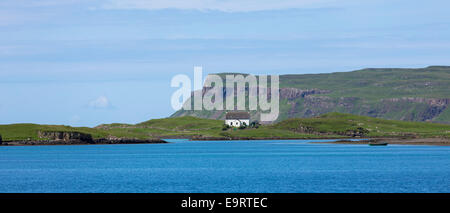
(378, 144)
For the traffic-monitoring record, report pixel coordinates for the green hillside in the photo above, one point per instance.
(166, 127)
(399, 94)
(331, 125)
(182, 127)
(30, 131)
(429, 82)
(338, 123)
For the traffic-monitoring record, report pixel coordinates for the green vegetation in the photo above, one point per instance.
(308, 106)
(331, 125)
(340, 123)
(189, 126)
(30, 131)
(375, 84)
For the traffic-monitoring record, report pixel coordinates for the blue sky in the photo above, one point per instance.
(87, 62)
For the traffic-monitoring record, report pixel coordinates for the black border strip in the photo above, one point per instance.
(169, 201)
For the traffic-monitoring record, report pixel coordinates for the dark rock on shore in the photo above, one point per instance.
(205, 138)
(127, 141)
(74, 138)
(42, 142)
(79, 142)
(400, 141)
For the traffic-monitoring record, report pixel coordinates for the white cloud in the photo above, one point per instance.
(101, 102)
(220, 5)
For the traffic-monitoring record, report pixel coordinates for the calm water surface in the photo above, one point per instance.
(225, 166)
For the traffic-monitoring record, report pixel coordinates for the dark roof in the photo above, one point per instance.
(237, 115)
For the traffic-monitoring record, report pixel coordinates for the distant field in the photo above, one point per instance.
(30, 131)
(339, 123)
(331, 125)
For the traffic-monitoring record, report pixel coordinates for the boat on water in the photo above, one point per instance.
(378, 144)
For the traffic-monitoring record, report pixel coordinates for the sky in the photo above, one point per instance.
(88, 62)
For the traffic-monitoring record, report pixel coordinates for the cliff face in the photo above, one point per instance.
(294, 93)
(82, 138)
(399, 94)
(404, 108)
(67, 137)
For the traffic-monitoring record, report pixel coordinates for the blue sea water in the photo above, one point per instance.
(225, 166)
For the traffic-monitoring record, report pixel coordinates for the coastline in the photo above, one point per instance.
(79, 142)
(264, 138)
(148, 141)
(347, 140)
(398, 141)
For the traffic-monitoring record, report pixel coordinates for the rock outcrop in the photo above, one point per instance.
(126, 141)
(82, 138)
(357, 132)
(294, 93)
(66, 137)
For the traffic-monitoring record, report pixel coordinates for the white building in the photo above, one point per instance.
(237, 119)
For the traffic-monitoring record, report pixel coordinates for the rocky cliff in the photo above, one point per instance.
(66, 137)
(403, 108)
(70, 137)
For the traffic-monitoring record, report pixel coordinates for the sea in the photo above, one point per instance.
(257, 166)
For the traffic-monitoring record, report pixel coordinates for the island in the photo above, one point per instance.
(340, 126)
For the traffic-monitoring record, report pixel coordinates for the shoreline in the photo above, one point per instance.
(152, 141)
(398, 141)
(267, 138)
(344, 140)
(78, 142)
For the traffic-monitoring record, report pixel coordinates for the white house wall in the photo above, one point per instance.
(236, 123)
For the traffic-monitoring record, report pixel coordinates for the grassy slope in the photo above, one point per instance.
(375, 84)
(192, 126)
(330, 124)
(29, 131)
(339, 122)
